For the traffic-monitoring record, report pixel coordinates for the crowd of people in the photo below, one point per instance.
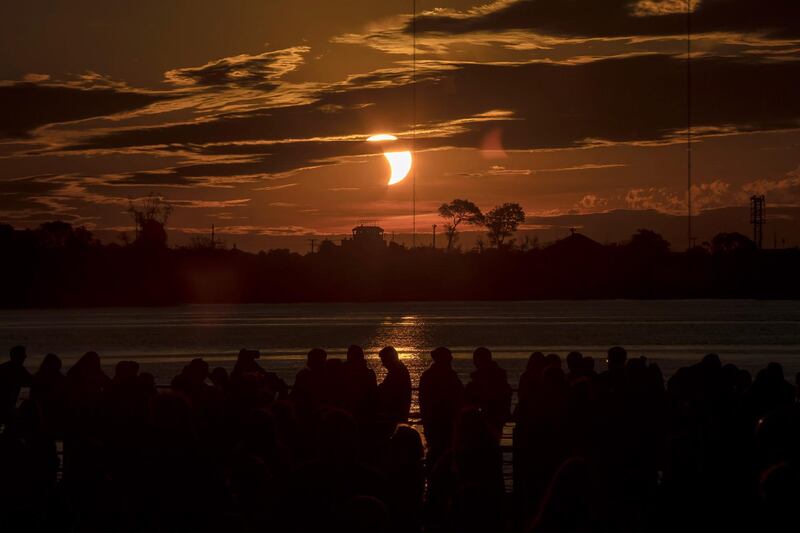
(613, 449)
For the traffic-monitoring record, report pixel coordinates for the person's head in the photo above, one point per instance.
(89, 362)
(51, 364)
(126, 371)
(197, 369)
(355, 354)
(405, 446)
(482, 357)
(248, 355)
(711, 363)
(775, 371)
(219, 377)
(574, 362)
(442, 355)
(617, 355)
(17, 354)
(552, 360)
(388, 356)
(588, 364)
(315, 359)
(535, 362)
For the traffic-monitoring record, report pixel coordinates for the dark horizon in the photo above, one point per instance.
(66, 267)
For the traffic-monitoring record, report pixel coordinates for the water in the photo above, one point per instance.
(673, 333)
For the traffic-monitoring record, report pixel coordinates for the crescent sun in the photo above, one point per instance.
(399, 162)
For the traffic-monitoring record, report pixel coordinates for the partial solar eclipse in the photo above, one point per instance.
(399, 162)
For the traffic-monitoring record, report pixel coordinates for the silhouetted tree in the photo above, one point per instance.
(150, 218)
(59, 234)
(726, 243)
(503, 221)
(455, 213)
(649, 243)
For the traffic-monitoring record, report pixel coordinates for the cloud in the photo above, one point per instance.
(33, 77)
(197, 204)
(558, 29)
(591, 202)
(244, 70)
(587, 166)
(648, 8)
(276, 187)
(253, 230)
(499, 170)
(27, 106)
(627, 99)
(784, 190)
(619, 18)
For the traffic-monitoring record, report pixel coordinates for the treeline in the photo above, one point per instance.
(57, 265)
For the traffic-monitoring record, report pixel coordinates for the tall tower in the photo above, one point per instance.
(758, 217)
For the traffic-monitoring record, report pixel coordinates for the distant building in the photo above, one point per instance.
(367, 236)
(576, 245)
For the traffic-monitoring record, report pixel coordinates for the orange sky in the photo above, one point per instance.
(253, 115)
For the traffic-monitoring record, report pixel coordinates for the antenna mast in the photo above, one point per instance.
(689, 117)
(414, 123)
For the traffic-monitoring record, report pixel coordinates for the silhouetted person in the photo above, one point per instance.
(335, 392)
(441, 395)
(466, 484)
(779, 489)
(85, 469)
(574, 366)
(404, 468)
(86, 377)
(360, 386)
(568, 506)
(324, 486)
(13, 376)
(192, 380)
(529, 381)
(611, 383)
(394, 391)
(48, 391)
(219, 377)
(364, 514)
(247, 372)
(309, 391)
(528, 395)
(489, 390)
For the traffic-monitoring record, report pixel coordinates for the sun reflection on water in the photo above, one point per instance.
(409, 335)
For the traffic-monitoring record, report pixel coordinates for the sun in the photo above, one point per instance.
(399, 162)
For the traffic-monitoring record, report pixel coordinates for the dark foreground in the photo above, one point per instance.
(613, 449)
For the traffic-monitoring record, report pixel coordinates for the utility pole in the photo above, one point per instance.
(213, 242)
(434, 235)
(312, 241)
